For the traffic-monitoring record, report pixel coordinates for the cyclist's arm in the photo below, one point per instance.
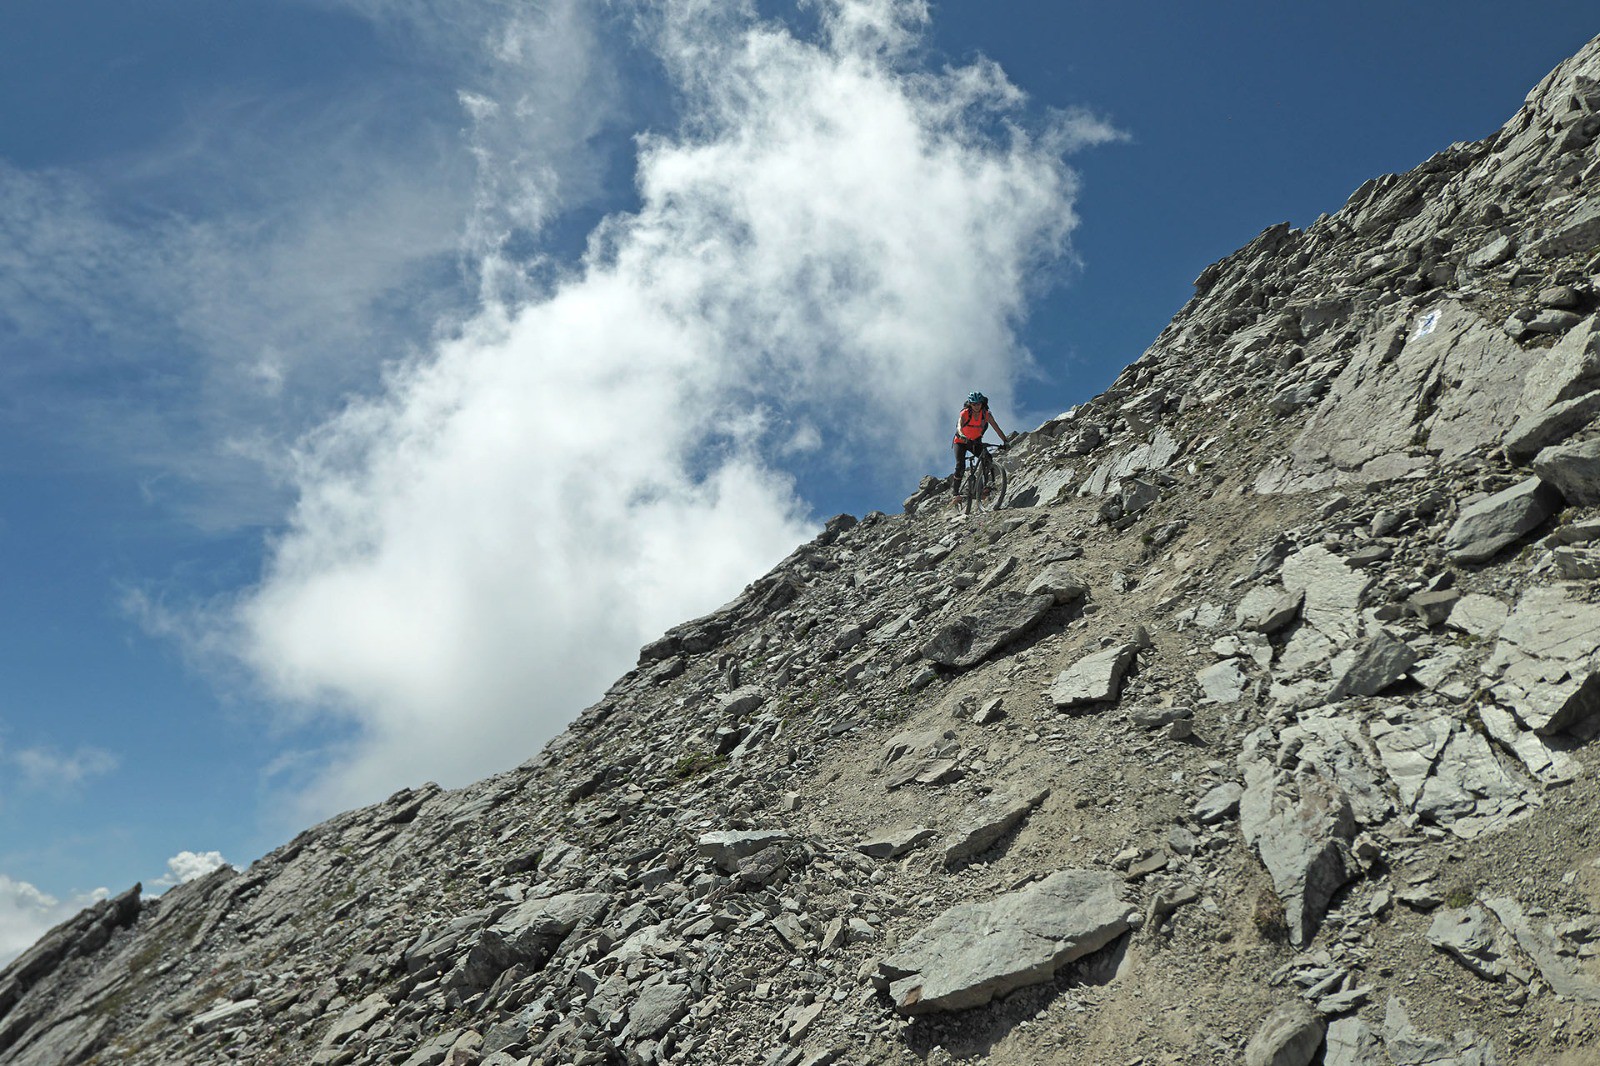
(1003, 435)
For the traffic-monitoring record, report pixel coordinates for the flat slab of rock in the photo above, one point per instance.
(975, 952)
(1449, 774)
(727, 846)
(1378, 663)
(1223, 682)
(1093, 679)
(1563, 976)
(1468, 934)
(1060, 582)
(894, 844)
(1547, 659)
(1477, 614)
(1289, 1036)
(1332, 590)
(1265, 609)
(1574, 469)
(986, 822)
(1494, 523)
(971, 639)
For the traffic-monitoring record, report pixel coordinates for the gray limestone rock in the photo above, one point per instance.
(1219, 804)
(1333, 591)
(1496, 522)
(1467, 934)
(1477, 614)
(1434, 607)
(1224, 682)
(1060, 582)
(1574, 469)
(1265, 609)
(1379, 662)
(1565, 978)
(974, 952)
(1534, 432)
(987, 822)
(1302, 830)
(726, 847)
(1289, 1036)
(1095, 678)
(1450, 775)
(972, 638)
(657, 1009)
(1351, 1042)
(743, 701)
(894, 844)
(1547, 660)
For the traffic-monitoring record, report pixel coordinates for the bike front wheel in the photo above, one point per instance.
(975, 486)
(994, 494)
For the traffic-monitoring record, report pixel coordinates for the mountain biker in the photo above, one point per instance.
(975, 419)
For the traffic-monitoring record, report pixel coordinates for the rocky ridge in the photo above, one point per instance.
(1257, 727)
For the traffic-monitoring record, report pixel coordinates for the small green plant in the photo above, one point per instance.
(696, 763)
(1459, 896)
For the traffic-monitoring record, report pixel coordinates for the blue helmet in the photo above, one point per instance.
(977, 397)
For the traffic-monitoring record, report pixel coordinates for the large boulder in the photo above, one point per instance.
(1547, 660)
(1289, 1036)
(1574, 469)
(1093, 679)
(972, 638)
(1496, 522)
(974, 952)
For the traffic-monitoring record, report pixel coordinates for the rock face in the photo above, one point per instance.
(974, 952)
(1318, 569)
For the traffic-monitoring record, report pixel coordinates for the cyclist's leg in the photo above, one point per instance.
(955, 479)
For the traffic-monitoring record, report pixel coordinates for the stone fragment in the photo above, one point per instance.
(1224, 682)
(1303, 836)
(356, 1018)
(972, 638)
(1333, 592)
(1574, 469)
(657, 1009)
(1467, 934)
(895, 844)
(986, 822)
(974, 952)
(1547, 660)
(1449, 775)
(1289, 1036)
(1552, 321)
(1060, 582)
(727, 846)
(1492, 253)
(1564, 977)
(1219, 804)
(1434, 607)
(1496, 522)
(1351, 1042)
(1477, 614)
(1095, 678)
(1379, 662)
(1265, 609)
(1577, 564)
(743, 701)
(218, 1017)
(1533, 432)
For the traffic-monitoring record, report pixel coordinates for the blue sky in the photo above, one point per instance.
(295, 296)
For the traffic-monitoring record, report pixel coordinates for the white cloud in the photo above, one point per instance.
(47, 769)
(834, 238)
(188, 865)
(26, 914)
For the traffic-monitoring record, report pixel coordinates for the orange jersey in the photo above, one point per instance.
(971, 427)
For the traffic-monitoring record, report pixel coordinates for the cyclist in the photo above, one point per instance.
(975, 419)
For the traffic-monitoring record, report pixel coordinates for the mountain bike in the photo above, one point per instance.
(983, 481)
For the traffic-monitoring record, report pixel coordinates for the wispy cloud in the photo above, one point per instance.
(834, 243)
(46, 769)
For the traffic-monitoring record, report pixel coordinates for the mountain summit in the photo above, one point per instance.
(1256, 726)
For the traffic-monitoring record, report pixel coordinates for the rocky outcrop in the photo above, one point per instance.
(1314, 576)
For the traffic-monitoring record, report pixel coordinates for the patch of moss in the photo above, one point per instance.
(696, 763)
